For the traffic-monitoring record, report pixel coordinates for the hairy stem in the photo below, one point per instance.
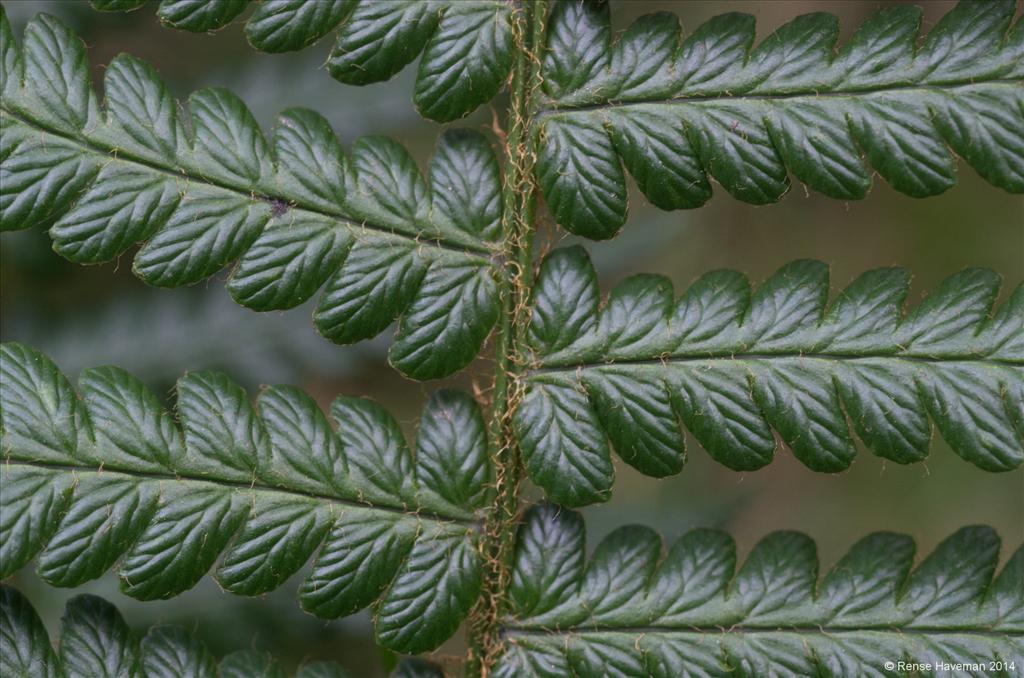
(519, 199)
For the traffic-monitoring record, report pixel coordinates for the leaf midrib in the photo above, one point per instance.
(554, 108)
(733, 358)
(115, 470)
(470, 251)
(825, 630)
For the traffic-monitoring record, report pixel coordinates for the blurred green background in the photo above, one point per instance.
(86, 316)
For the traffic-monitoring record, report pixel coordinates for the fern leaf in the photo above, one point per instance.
(732, 365)
(675, 111)
(96, 641)
(295, 212)
(466, 44)
(632, 611)
(288, 25)
(107, 476)
(200, 15)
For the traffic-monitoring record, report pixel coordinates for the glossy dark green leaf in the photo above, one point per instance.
(676, 109)
(207, 232)
(287, 264)
(288, 25)
(565, 450)
(655, 148)
(55, 60)
(632, 611)
(577, 47)
(293, 211)
(553, 323)
(732, 365)
(466, 60)
(200, 15)
(465, 184)
(261, 490)
(41, 409)
(278, 537)
(466, 44)
(550, 561)
(359, 558)
(466, 47)
(25, 650)
(95, 642)
(439, 581)
(121, 207)
(37, 177)
(378, 39)
(639, 421)
(379, 279)
(582, 179)
(34, 501)
(444, 327)
(451, 452)
(113, 512)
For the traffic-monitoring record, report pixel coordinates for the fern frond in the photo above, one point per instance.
(466, 44)
(732, 365)
(634, 611)
(209, 189)
(95, 641)
(107, 476)
(675, 111)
